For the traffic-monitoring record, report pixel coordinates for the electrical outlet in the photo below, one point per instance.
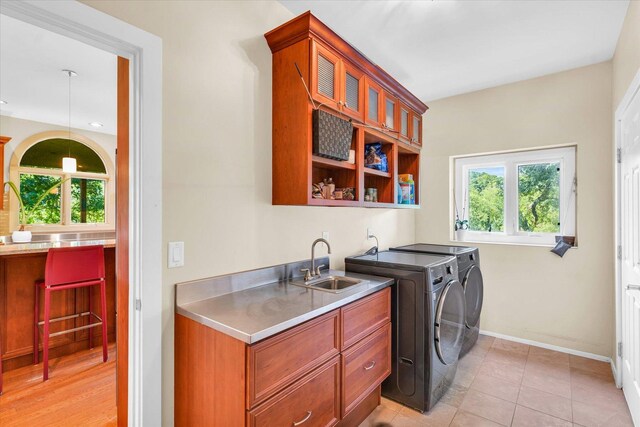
(325, 235)
(175, 254)
(369, 232)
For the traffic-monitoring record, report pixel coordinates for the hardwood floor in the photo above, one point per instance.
(81, 391)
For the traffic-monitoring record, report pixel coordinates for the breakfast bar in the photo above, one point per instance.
(21, 264)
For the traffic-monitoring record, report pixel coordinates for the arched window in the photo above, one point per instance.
(83, 197)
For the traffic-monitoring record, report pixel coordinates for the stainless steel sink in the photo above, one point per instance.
(333, 284)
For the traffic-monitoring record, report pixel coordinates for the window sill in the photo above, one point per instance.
(477, 242)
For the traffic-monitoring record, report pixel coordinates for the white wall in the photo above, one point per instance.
(529, 292)
(20, 129)
(217, 153)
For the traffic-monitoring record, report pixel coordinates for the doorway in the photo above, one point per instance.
(142, 402)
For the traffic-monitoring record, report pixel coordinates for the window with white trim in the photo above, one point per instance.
(80, 198)
(524, 197)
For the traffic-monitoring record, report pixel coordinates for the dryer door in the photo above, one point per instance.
(473, 292)
(449, 322)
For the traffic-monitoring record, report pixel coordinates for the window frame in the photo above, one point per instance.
(65, 199)
(66, 226)
(511, 160)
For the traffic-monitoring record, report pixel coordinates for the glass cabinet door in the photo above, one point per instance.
(390, 111)
(416, 129)
(404, 122)
(325, 76)
(373, 103)
(352, 91)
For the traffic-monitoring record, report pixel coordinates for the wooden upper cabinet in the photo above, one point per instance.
(343, 82)
(373, 105)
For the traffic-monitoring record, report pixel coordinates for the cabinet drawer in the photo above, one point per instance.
(365, 366)
(312, 401)
(364, 316)
(277, 362)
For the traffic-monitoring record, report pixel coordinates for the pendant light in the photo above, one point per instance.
(69, 164)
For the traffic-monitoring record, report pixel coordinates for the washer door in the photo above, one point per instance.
(473, 292)
(449, 323)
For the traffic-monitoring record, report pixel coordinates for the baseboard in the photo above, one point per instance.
(549, 346)
(614, 371)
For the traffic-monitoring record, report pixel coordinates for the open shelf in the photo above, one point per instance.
(332, 164)
(331, 202)
(376, 172)
(380, 205)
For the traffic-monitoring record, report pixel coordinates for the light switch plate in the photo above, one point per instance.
(175, 255)
(325, 235)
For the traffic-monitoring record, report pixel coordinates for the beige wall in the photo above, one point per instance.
(217, 153)
(20, 129)
(626, 61)
(531, 293)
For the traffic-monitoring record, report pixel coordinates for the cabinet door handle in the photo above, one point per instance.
(304, 420)
(373, 363)
(633, 287)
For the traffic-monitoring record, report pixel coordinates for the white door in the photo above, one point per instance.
(630, 269)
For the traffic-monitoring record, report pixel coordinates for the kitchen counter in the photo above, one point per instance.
(264, 308)
(35, 247)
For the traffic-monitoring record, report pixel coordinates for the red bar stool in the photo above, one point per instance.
(70, 268)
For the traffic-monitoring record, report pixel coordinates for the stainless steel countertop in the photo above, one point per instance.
(254, 314)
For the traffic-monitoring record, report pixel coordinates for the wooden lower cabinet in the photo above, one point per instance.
(313, 401)
(365, 366)
(300, 377)
(278, 361)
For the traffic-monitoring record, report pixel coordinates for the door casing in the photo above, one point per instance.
(633, 88)
(87, 25)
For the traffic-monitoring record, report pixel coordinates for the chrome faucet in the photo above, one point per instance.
(309, 274)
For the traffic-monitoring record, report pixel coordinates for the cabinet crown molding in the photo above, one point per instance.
(307, 26)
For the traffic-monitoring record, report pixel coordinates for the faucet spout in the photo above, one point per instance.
(313, 256)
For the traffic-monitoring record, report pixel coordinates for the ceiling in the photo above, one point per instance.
(442, 48)
(35, 88)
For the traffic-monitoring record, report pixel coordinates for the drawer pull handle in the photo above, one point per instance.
(373, 363)
(304, 420)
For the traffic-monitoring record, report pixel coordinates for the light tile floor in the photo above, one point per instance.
(502, 383)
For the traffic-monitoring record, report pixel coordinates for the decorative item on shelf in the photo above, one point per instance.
(375, 158)
(331, 134)
(407, 189)
(352, 157)
(21, 235)
(324, 189)
(371, 195)
(348, 193)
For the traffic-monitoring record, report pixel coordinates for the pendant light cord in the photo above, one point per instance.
(69, 140)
